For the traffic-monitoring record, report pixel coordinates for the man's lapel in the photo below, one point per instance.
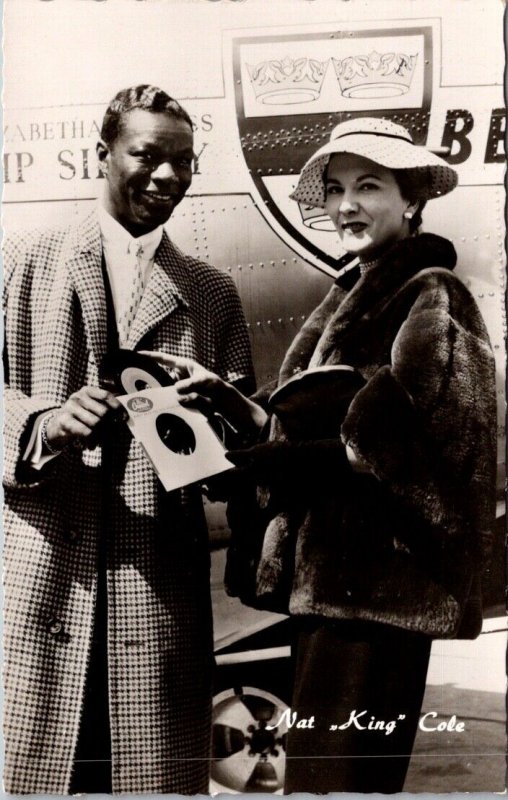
(164, 293)
(85, 268)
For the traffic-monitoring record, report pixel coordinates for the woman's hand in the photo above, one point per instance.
(200, 388)
(295, 465)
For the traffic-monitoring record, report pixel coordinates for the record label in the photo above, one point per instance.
(126, 372)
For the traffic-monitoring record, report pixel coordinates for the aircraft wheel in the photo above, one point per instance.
(246, 756)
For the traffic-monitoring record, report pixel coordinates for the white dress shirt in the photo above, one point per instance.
(121, 252)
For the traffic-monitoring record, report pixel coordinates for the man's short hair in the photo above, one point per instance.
(144, 96)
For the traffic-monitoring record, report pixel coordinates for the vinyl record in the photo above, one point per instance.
(125, 372)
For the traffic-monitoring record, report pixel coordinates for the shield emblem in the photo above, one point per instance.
(292, 89)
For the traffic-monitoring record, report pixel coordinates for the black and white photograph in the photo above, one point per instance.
(254, 275)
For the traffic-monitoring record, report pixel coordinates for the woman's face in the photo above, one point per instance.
(364, 203)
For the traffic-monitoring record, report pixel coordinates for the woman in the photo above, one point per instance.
(373, 536)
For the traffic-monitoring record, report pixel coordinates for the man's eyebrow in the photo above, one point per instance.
(157, 147)
(185, 151)
(143, 145)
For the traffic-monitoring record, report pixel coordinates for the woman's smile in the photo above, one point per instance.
(365, 204)
(353, 227)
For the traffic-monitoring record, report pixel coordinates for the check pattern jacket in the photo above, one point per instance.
(160, 649)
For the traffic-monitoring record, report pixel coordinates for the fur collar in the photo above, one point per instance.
(417, 252)
(353, 296)
(378, 285)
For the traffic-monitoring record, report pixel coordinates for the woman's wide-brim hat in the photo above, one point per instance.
(385, 143)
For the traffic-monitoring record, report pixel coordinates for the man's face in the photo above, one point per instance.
(148, 169)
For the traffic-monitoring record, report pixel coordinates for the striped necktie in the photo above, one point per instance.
(135, 295)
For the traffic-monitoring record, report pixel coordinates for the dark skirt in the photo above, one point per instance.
(363, 683)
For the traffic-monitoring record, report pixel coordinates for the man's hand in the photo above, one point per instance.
(78, 418)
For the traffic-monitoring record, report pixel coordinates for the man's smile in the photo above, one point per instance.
(159, 197)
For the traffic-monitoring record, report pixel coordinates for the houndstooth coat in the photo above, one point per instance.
(159, 617)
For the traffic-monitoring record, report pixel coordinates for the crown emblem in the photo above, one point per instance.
(375, 75)
(291, 80)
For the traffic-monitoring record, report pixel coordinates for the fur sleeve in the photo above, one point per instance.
(425, 424)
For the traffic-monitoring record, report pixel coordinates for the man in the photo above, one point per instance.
(108, 637)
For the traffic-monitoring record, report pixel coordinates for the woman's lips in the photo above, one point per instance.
(354, 227)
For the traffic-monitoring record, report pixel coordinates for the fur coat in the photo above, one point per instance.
(404, 542)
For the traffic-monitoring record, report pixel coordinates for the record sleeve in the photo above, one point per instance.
(179, 442)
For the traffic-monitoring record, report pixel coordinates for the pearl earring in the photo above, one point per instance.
(408, 215)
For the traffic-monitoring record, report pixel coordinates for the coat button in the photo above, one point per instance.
(55, 626)
(73, 535)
